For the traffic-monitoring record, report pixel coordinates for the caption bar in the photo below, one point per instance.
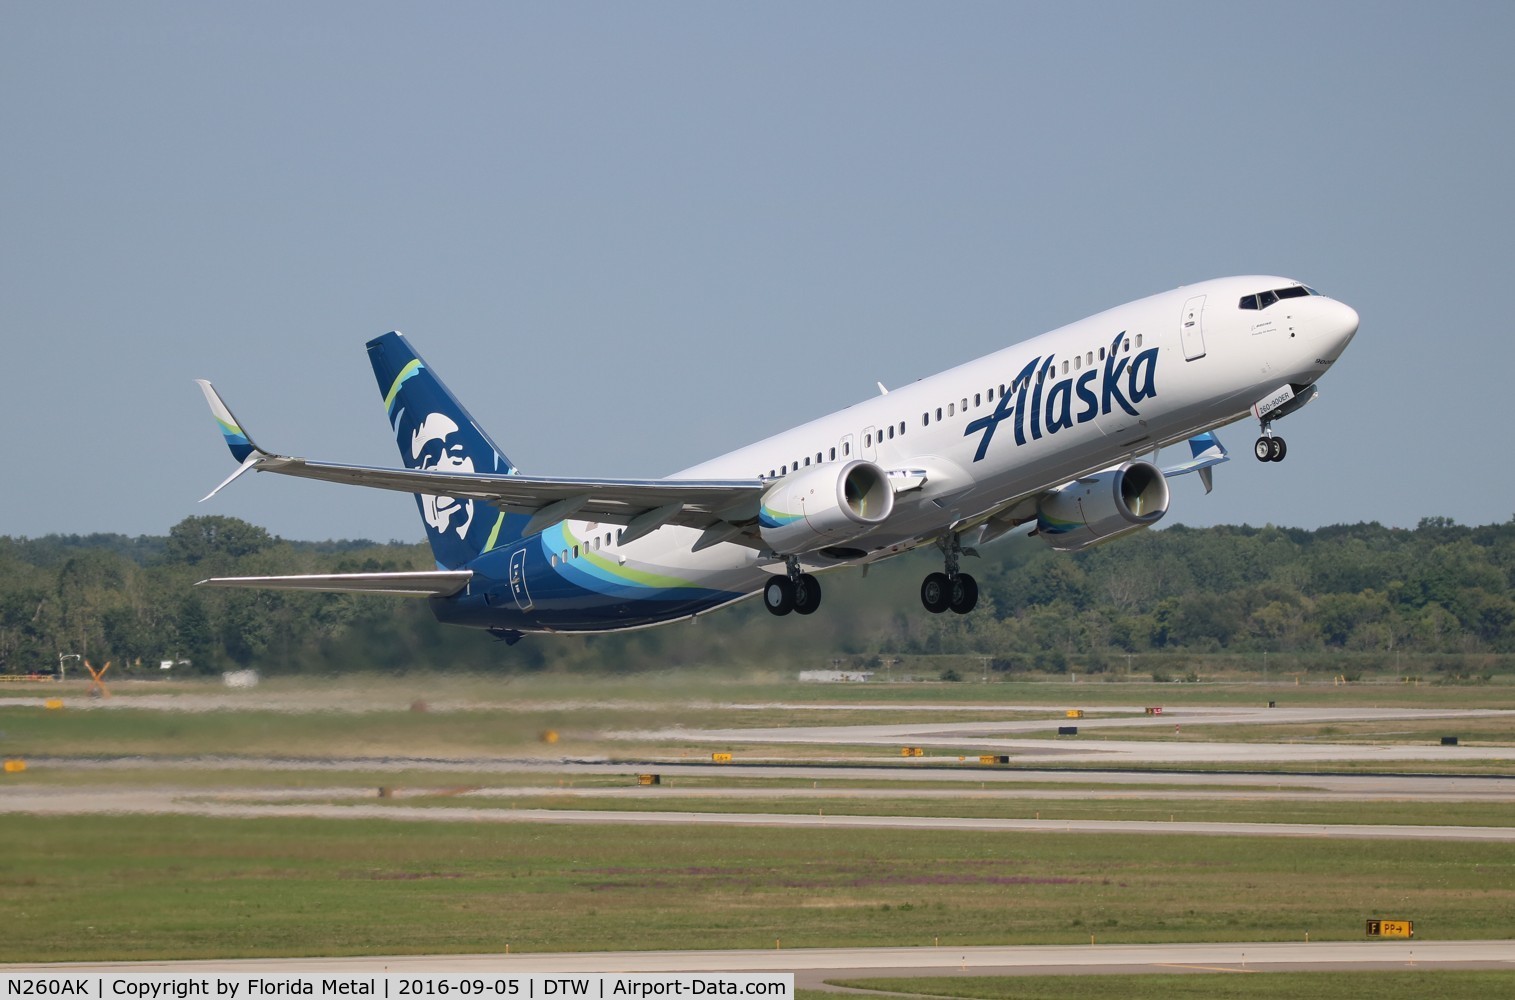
(392, 986)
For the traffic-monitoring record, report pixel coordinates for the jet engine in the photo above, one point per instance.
(824, 505)
(1103, 506)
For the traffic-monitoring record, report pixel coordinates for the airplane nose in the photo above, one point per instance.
(1341, 324)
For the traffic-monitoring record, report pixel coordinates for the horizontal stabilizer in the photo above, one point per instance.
(430, 583)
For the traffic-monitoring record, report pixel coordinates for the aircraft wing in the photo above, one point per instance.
(433, 583)
(1205, 452)
(699, 502)
(724, 506)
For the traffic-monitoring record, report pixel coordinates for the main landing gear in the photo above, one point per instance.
(1269, 448)
(794, 591)
(953, 589)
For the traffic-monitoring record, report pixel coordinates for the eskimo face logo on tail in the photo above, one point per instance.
(437, 444)
(1041, 406)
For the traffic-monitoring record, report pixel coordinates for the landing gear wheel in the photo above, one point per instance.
(778, 595)
(807, 594)
(1263, 449)
(936, 593)
(1278, 449)
(963, 594)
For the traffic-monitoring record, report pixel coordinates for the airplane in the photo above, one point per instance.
(1052, 432)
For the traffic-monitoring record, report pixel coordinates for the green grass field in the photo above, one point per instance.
(361, 723)
(966, 804)
(137, 887)
(691, 689)
(1410, 984)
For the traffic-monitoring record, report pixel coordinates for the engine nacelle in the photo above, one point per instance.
(1103, 506)
(824, 505)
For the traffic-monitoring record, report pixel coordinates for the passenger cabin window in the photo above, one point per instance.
(925, 420)
(833, 454)
(978, 399)
(891, 432)
(902, 428)
(950, 410)
(867, 440)
(938, 413)
(1065, 367)
(1138, 340)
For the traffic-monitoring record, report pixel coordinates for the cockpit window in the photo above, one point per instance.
(1263, 300)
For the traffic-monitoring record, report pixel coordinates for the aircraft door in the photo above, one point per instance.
(1191, 328)
(518, 579)
(844, 448)
(870, 442)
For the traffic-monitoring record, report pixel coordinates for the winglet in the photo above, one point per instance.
(236, 439)
(251, 461)
(243, 449)
(1205, 452)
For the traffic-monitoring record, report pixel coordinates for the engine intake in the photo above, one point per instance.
(824, 505)
(1103, 506)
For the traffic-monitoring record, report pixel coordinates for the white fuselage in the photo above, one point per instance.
(1204, 362)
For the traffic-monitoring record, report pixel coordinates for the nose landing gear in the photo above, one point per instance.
(1269, 448)
(953, 589)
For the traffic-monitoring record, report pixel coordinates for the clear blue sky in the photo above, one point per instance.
(633, 236)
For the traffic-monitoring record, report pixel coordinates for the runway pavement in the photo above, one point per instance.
(996, 737)
(913, 772)
(251, 803)
(813, 965)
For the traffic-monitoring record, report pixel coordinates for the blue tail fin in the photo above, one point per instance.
(434, 431)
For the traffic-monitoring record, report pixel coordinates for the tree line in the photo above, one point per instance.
(1439, 594)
